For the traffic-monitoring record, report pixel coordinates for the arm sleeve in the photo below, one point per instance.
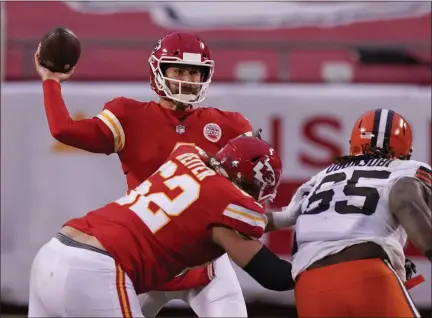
(245, 218)
(88, 134)
(270, 271)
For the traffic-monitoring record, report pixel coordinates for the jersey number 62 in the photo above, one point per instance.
(139, 200)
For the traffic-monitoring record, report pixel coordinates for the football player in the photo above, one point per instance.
(189, 212)
(143, 134)
(355, 222)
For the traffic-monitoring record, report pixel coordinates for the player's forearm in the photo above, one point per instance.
(278, 220)
(270, 271)
(408, 204)
(261, 264)
(290, 213)
(257, 260)
(84, 134)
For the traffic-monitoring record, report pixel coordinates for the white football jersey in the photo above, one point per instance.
(349, 205)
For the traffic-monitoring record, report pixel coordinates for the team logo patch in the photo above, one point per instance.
(212, 132)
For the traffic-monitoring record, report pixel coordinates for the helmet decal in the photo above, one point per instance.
(264, 173)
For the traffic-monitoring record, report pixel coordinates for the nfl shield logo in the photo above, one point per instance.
(180, 129)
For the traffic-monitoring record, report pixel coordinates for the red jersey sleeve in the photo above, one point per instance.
(196, 277)
(86, 134)
(240, 125)
(113, 116)
(245, 216)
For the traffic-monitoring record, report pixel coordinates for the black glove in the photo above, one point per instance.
(410, 268)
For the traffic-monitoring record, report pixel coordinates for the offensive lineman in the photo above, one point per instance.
(190, 211)
(143, 135)
(355, 222)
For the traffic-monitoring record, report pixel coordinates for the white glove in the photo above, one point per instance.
(289, 214)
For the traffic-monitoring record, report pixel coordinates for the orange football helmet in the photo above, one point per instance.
(381, 129)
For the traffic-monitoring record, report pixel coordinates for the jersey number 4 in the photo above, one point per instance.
(139, 200)
(370, 194)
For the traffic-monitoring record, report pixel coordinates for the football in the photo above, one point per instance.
(59, 50)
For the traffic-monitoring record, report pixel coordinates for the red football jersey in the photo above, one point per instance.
(164, 225)
(145, 133)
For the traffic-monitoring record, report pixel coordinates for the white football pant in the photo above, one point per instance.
(70, 281)
(222, 297)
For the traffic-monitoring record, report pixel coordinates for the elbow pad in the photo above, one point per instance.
(270, 271)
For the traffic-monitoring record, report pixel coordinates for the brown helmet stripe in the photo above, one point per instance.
(375, 127)
(381, 121)
(388, 129)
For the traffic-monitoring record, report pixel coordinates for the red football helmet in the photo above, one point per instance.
(253, 165)
(382, 129)
(180, 48)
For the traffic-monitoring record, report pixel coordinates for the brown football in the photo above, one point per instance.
(60, 50)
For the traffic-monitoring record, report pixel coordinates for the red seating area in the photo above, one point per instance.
(116, 47)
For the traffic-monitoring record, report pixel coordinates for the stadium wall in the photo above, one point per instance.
(44, 183)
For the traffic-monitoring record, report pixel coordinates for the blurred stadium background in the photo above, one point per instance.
(302, 71)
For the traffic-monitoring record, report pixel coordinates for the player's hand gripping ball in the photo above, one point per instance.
(59, 50)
